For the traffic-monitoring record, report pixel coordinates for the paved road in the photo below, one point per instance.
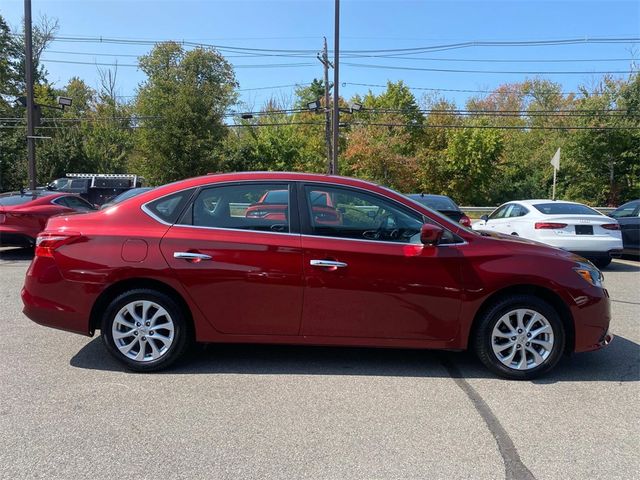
(68, 411)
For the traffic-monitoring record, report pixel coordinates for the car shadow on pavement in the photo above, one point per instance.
(619, 362)
(618, 266)
(13, 254)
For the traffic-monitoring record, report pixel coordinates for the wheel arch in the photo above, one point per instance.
(122, 286)
(544, 293)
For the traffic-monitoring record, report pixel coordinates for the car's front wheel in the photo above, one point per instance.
(520, 337)
(145, 329)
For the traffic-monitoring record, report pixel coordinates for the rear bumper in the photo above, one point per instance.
(52, 301)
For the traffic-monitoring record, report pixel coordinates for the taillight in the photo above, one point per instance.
(464, 220)
(257, 213)
(606, 226)
(2, 217)
(549, 225)
(47, 243)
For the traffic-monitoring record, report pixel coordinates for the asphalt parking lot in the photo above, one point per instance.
(68, 411)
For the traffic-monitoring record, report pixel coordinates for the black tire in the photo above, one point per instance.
(482, 341)
(601, 262)
(182, 335)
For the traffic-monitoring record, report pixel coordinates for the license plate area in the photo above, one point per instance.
(584, 229)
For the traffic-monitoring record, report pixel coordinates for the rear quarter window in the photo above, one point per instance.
(168, 208)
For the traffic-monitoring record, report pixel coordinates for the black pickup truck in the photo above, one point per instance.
(96, 188)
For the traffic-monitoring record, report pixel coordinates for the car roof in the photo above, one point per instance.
(427, 195)
(260, 176)
(541, 200)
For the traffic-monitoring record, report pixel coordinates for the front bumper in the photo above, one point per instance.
(592, 316)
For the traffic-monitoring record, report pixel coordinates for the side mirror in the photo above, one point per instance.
(430, 234)
(484, 218)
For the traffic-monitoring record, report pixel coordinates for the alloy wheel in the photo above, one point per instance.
(143, 331)
(522, 339)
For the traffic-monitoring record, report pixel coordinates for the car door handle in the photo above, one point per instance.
(327, 263)
(191, 256)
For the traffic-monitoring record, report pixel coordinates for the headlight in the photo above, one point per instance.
(589, 273)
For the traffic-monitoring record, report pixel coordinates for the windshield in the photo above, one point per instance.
(129, 194)
(279, 197)
(14, 199)
(436, 202)
(557, 208)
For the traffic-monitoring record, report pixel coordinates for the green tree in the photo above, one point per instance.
(603, 164)
(310, 93)
(180, 110)
(472, 158)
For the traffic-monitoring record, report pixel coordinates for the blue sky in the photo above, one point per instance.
(365, 25)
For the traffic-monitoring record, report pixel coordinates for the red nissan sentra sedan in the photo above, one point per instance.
(184, 263)
(23, 215)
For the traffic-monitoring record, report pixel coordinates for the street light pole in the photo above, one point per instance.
(336, 83)
(28, 70)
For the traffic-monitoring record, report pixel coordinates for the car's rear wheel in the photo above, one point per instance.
(145, 329)
(520, 337)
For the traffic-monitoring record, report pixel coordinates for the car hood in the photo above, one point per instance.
(524, 245)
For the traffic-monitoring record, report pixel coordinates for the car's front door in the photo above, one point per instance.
(367, 274)
(243, 271)
(499, 220)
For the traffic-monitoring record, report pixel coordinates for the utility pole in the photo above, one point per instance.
(324, 59)
(336, 83)
(28, 67)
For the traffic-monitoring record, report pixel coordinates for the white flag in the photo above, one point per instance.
(555, 161)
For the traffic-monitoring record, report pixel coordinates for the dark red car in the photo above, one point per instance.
(23, 215)
(183, 263)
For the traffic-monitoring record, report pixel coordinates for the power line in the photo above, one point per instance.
(405, 125)
(456, 90)
(392, 57)
(267, 65)
(498, 60)
(496, 127)
(399, 51)
(451, 70)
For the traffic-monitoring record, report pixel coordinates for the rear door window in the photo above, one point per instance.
(245, 206)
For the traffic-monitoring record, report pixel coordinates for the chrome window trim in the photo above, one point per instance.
(146, 210)
(376, 242)
(234, 230)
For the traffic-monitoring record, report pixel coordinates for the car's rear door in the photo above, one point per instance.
(244, 273)
(367, 274)
(628, 216)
